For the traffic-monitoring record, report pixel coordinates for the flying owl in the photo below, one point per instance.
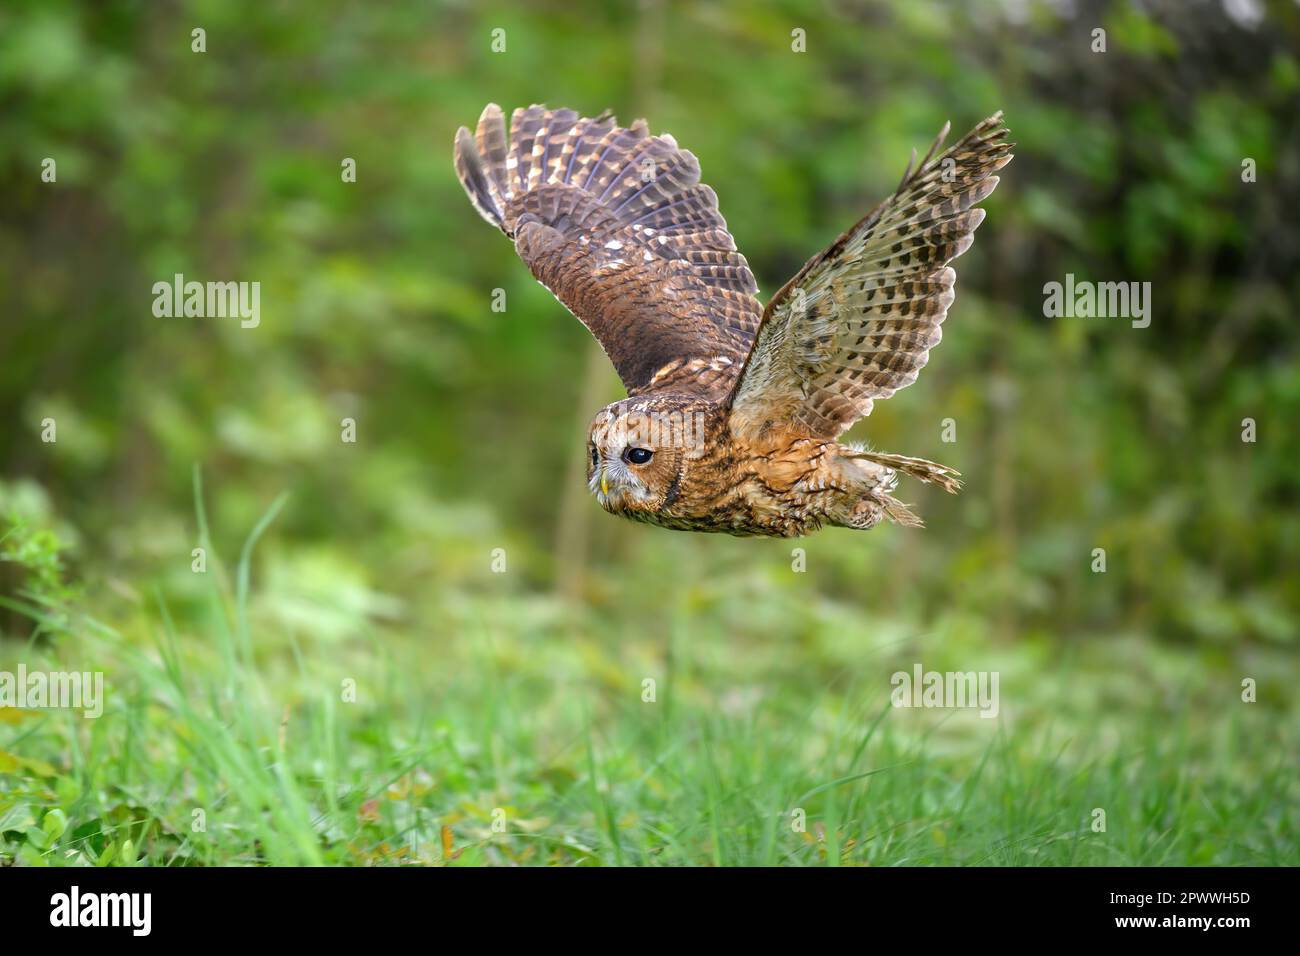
(733, 409)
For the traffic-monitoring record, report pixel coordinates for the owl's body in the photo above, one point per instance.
(778, 484)
(733, 411)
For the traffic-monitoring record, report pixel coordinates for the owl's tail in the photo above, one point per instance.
(876, 475)
(931, 472)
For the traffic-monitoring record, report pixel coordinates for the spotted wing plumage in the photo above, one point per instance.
(858, 322)
(616, 223)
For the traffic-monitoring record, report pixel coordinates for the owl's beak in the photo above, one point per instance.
(604, 483)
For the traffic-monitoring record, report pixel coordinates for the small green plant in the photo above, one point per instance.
(37, 554)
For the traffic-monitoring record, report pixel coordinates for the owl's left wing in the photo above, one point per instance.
(858, 321)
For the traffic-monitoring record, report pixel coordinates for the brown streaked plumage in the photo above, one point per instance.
(733, 410)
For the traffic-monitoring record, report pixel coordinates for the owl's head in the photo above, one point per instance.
(639, 451)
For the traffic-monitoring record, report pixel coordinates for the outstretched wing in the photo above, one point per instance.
(617, 225)
(858, 321)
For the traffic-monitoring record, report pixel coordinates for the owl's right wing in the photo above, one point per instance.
(617, 225)
(858, 321)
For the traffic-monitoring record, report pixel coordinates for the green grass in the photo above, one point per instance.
(511, 731)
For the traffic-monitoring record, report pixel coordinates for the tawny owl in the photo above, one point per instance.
(733, 410)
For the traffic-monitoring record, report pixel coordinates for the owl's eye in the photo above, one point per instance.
(638, 456)
(595, 457)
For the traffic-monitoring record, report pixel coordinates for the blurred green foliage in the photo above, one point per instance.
(1073, 434)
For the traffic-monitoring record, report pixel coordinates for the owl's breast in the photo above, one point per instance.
(774, 490)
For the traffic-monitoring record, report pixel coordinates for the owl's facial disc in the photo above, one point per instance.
(626, 466)
(617, 476)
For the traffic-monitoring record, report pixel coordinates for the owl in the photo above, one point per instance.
(733, 409)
